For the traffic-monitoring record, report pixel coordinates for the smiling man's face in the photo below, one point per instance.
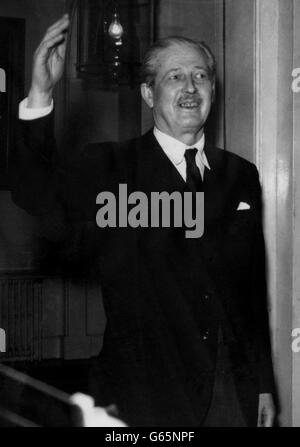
(182, 93)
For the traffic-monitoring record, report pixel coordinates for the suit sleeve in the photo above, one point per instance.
(260, 298)
(61, 196)
(33, 178)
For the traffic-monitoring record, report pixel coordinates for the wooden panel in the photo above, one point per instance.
(96, 319)
(296, 244)
(274, 145)
(239, 77)
(48, 318)
(259, 126)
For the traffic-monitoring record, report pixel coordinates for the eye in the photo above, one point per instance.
(174, 77)
(201, 76)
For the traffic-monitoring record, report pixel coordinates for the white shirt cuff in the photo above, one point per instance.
(26, 113)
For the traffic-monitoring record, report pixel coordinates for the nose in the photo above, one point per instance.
(190, 84)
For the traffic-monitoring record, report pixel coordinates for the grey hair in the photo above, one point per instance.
(149, 64)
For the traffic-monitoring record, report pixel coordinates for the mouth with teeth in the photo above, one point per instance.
(189, 105)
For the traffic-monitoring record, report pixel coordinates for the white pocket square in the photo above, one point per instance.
(243, 206)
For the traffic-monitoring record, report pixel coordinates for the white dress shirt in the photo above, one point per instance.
(27, 114)
(174, 149)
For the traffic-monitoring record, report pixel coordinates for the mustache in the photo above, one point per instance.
(190, 97)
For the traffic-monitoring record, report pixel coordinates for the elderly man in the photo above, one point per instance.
(187, 336)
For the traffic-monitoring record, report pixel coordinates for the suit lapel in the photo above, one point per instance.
(157, 172)
(215, 185)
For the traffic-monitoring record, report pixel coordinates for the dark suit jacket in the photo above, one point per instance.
(165, 295)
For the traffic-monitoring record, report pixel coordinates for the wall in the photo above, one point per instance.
(274, 116)
(239, 75)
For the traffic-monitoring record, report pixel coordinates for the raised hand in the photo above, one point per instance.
(48, 63)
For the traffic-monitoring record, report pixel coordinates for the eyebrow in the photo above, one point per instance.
(173, 69)
(170, 71)
(198, 67)
(202, 68)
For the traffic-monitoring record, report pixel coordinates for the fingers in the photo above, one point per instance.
(54, 35)
(266, 410)
(62, 48)
(59, 27)
(50, 43)
(270, 416)
(260, 420)
(61, 20)
(266, 417)
(45, 49)
(269, 420)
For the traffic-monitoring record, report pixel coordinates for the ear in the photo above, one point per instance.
(213, 91)
(147, 94)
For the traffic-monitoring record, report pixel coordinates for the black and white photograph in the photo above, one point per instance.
(150, 216)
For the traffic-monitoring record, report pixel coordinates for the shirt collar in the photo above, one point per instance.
(175, 149)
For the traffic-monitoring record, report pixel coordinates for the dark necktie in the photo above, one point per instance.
(193, 174)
